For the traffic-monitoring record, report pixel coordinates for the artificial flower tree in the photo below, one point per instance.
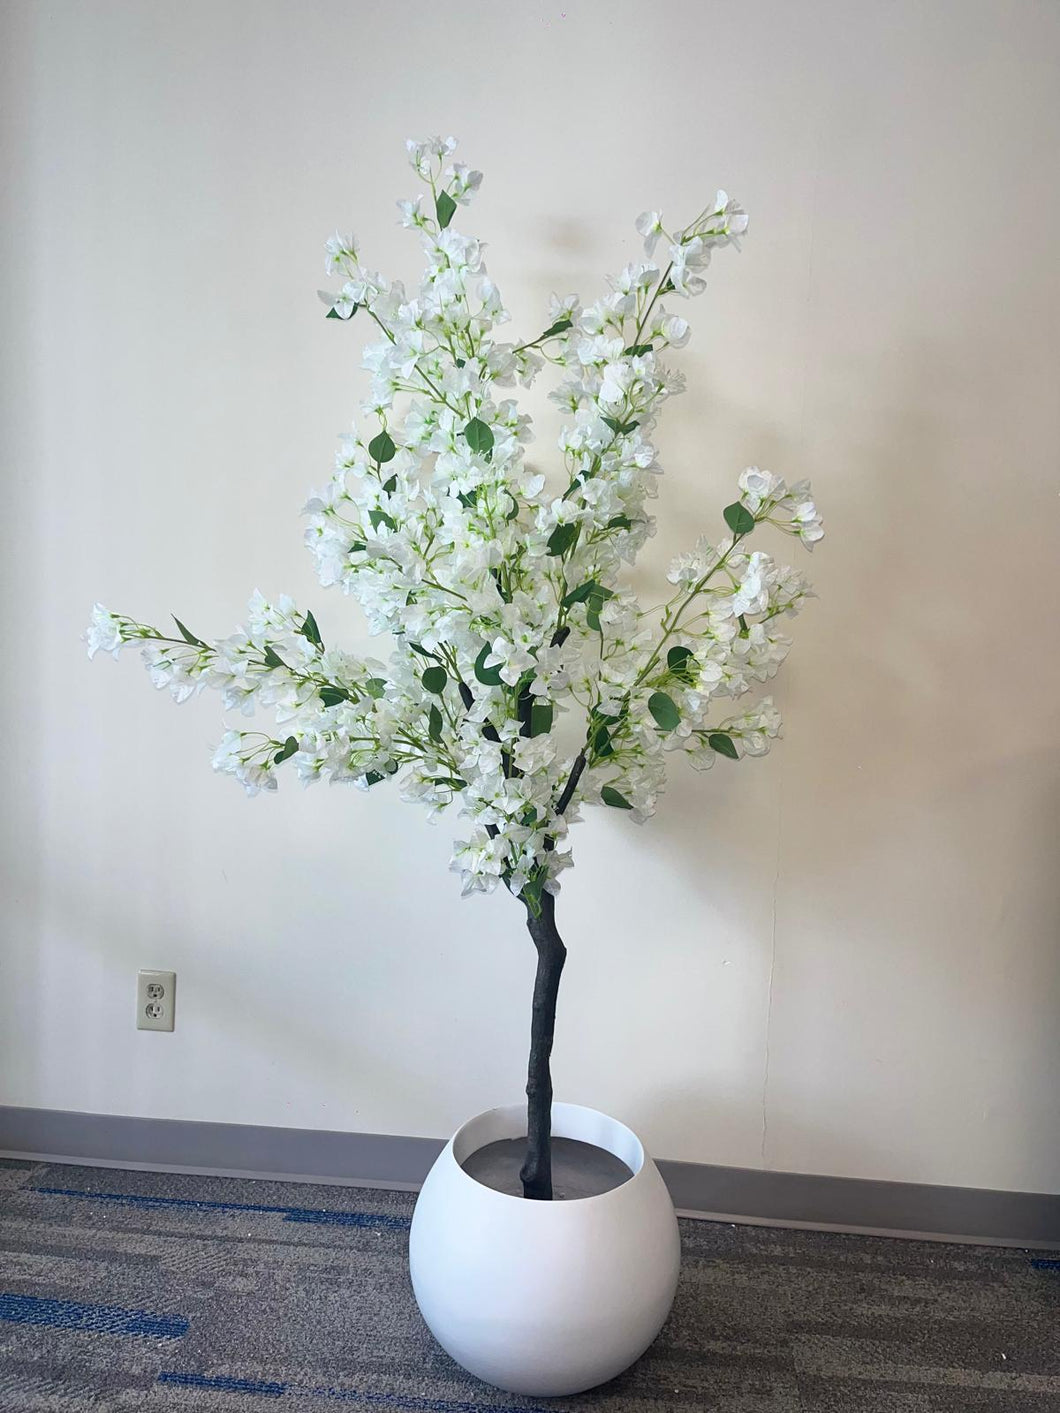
(502, 587)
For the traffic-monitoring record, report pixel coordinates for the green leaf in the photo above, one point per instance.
(188, 636)
(602, 742)
(619, 522)
(488, 676)
(723, 743)
(423, 652)
(738, 518)
(580, 594)
(607, 716)
(453, 781)
(373, 777)
(272, 658)
(562, 538)
(467, 498)
(620, 429)
(446, 208)
(460, 362)
(331, 696)
(665, 711)
(635, 350)
(380, 517)
(286, 751)
(531, 895)
(559, 327)
(333, 313)
(434, 679)
(594, 604)
(310, 630)
(502, 589)
(588, 592)
(611, 796)
(390, 485)
(434, 723)
(678, 660)
(382, 448)
(479, 437)
(357, 545)
(541, 718)
(375, 687)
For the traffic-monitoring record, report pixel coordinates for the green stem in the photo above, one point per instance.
(651, 304)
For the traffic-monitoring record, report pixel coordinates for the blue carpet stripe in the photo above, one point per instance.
(385, 1220)
(99, 1319)
(266, 1388)
(1043, 1263)
(222, 1383)
(347, 1219)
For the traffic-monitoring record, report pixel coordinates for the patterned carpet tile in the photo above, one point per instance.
(124, 1290)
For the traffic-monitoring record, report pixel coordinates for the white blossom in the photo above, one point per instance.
(757, 487)
(500, 580)
(104, 632)
(806, 522)
(752, 594)
(341, 253)
(649, 224)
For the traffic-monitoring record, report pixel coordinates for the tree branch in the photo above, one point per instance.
(536, 1172)
(572, 782)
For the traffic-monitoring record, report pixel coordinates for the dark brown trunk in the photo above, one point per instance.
(536, 1173)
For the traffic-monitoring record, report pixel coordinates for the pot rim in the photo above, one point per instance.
(577, 1121)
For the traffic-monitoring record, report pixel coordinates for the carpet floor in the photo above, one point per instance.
(126, 1290)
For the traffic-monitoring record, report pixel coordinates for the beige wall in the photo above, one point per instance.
(842, 959)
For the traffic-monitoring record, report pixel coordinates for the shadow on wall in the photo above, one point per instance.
(685, 1106)
(919, 818)
(311, 1029)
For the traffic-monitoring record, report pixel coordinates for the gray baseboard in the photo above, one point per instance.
(226, 1150)
(863, 1205)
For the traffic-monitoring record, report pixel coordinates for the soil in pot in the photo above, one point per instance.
(578, 1169)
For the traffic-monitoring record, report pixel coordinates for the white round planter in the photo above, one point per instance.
(544, 1298)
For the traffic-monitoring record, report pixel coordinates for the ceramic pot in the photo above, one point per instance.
(544, 1298)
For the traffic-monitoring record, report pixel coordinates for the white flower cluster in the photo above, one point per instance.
(503, 594)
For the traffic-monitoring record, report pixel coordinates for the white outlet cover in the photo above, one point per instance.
(156, 994)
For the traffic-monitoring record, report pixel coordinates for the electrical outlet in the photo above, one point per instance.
(156, 994)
